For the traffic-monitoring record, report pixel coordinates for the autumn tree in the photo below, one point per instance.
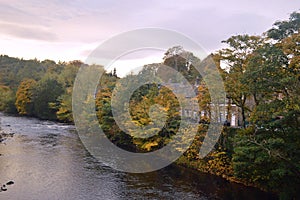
(66, 78)
(25, 97)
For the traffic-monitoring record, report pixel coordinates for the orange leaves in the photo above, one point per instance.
(24, 97)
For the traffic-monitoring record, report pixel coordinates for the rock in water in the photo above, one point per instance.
(3, 189)
(10, 183)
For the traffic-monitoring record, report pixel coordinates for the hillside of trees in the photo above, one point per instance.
(37, 88)
(262, 69)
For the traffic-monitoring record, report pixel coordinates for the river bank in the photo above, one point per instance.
(4, 136)
(49, 154)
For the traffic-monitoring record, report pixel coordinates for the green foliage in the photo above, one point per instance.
(7, 100)
(267, 152)
(236, 57)
(183, 62)
(269, 157)
(105, 116)
(67, 75)
(24, 87)
(45, 98)
(64, 108)
(284, 29)
(66, 78)
(265, 73)
(13, 71)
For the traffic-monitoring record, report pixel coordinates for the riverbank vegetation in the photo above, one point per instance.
(261, 76)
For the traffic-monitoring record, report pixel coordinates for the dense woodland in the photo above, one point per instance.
(264, 69)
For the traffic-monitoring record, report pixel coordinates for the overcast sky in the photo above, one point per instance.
(70, 29)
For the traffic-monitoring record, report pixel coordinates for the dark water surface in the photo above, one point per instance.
(46, 160)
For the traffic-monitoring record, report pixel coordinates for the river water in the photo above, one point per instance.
(47, 160)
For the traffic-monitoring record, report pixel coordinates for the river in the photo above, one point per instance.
(46, 160)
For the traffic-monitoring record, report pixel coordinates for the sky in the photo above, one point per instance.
(65, 30)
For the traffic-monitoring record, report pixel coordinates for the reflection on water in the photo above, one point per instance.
(46, 160)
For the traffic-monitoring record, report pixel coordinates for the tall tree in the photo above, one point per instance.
(266, 69)
(25, 97)
(235, 57)
(284, 29)
(46, 94)
(267, 153)
(7, 100)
